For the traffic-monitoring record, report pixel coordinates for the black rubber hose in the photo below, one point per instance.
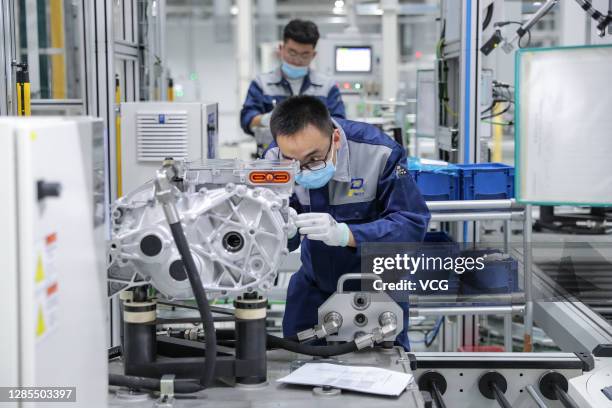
(153, 384)
(210, 337)
(488, 17)
(318, 351)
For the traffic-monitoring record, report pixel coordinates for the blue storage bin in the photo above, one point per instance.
(437, 236)
(486, 181)
(497, 277)
(437, 244)
(437, 185)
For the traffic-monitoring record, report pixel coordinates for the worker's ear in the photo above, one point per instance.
(336, 138)
(314, 54)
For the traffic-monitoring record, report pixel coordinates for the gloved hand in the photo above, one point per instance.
(292, 229)
(323, 227)
(265, 120)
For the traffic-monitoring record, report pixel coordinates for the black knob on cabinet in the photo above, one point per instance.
(48, 189)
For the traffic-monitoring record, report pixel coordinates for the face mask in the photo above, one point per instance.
(313, 179)
(293, 71)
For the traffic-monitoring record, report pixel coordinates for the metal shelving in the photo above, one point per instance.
(504, 210)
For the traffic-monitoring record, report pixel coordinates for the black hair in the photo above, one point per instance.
(301, 31)
(296, 113)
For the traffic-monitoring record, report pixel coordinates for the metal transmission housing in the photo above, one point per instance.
(234, 215)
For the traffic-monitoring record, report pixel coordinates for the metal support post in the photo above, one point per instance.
(528, 271)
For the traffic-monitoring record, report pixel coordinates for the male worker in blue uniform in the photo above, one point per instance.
(293, 77)
(353, 187)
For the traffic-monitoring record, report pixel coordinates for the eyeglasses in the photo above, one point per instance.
(316, 164)
(304, 56)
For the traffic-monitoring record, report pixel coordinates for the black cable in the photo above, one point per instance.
(437, 395)
(494, 115)
(436, 331)
(152, 384)
(488, 16)
(490, 107)
(565, 399)
(499, 396)
(318, 351)
(503, 23)
(210, 337)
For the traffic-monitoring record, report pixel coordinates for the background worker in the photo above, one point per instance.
(293, 77)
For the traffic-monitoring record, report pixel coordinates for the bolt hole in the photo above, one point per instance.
(361, 319)
(461, 390)
(233, 241)
(460, 374)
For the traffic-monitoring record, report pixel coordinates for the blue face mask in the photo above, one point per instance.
(313, 179)
(293, 71)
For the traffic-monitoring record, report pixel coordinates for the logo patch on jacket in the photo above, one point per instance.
(356, 188)
(400, 171)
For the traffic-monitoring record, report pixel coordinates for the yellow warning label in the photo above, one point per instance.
(40, 270)
(40, 323)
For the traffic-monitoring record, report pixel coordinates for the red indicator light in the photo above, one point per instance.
(269, 177)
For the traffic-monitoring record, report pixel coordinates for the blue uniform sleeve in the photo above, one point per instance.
(404, 214)
(335, 104)
(253, 105)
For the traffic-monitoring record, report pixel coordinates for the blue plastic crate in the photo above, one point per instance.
(437, 244)
(438, 185)
(486, 181)
(498, 276)
(437, 236)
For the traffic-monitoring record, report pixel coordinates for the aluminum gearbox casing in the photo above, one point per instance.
(234, 215)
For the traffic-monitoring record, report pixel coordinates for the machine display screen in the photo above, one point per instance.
(353, 59)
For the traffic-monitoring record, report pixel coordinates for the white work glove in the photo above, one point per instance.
(265, 120)
(323, 227)
(292, 229)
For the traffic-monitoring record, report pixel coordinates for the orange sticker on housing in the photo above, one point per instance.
(269, 177)
(51, 238)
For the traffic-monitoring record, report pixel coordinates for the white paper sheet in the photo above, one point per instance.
(371, 380)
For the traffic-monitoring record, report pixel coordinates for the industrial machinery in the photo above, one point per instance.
(346, 316)
(52, 295)
(235, 216)
(216, 228)
(152, 131)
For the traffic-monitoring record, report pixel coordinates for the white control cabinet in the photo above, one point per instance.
(53, 307)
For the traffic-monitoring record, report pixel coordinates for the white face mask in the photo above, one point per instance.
(313, 179)
(293, 71)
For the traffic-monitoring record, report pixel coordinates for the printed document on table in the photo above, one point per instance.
(371, 380)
